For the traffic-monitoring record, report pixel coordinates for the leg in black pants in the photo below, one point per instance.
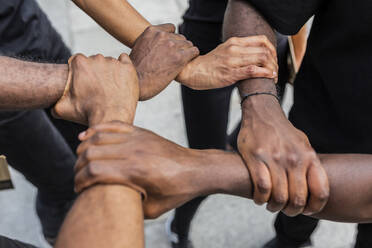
(29, 139)
(206, 116)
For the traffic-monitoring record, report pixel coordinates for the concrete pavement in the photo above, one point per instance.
(223, 221)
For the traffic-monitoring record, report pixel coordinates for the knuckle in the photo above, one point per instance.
(162, 34)
(151, 29)
(232, 40)
(263, 38)
(170, 43)
(232, 48)
(98, 56)
(79, 59)
(293, 158)
(277, 157)
(97, 138)
(298, 202)
(152, 213)
(92, 170)
(322, 196)
(259, 153)
(263, 58)
(251, 70)
(280, 199)
(89, 154)
(263, 185)
(125, 57)
(182, 37)
(189, 43)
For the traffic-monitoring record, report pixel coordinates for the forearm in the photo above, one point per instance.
(27, 85)
(242, 20)
(104, 216)
(349, 177)
(118, 17)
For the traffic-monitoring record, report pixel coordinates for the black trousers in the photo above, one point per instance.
(38, 146)
(206, 112)
(9, 243)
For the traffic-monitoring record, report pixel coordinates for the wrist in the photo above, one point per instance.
(261, 105)
(186, 76)
(99, 117)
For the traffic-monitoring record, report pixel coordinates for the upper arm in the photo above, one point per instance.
(287, 16)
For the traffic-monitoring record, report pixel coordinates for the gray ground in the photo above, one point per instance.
(223, 221)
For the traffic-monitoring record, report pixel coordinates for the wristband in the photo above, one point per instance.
(246, 96)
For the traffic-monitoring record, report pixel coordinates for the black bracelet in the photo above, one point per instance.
(246, 96)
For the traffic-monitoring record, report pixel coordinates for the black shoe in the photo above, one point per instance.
(275, 243)
(51, 216)
(174, 240)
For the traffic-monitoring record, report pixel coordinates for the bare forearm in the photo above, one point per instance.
(104, 216)
(349, 176)
(242, 20)
(118, 17)
(27, 85)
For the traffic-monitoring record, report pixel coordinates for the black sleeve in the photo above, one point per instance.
(287, 16)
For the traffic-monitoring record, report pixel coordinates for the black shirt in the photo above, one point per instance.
(211, 11)
(333, 90)
(26, 31)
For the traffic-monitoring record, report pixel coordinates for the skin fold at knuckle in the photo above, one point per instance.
(280, 199)
(263, 185)
(93, 170)
(297, 203)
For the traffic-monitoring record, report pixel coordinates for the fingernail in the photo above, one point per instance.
(274, 73)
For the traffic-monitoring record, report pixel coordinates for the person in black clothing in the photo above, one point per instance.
(332, 89)
(206, 112)
(40, 147)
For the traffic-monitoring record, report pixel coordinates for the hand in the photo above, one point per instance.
(115, 153)
(230, 62)
(284, 168)
(159, 55)
(99, 89)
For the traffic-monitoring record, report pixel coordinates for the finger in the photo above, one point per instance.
(183, 44)
(318, 189)
(167, 27)
(105, 172)
(259, 59)
(102, 138)
(190, 53)
(124, 58)
(253, 71)
(261, 180)
(114, 126)
(279, 194)
(255, 41)
(92, 174)
(297, 184)
(108, 152)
